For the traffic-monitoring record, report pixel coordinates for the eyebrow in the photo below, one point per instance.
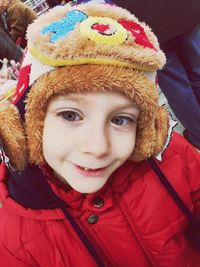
(81, 100)
(73, 98)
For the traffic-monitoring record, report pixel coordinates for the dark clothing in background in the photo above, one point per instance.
(167, 18)
(52, 3)
(9, 49)
(177, 26)
(3, 23)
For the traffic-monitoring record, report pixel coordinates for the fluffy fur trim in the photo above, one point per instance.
(13, 135)
(151, 135)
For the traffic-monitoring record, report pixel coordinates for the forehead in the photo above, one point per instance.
(108, 98)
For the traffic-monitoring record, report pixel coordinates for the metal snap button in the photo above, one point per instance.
(98, 202)
(93, 218)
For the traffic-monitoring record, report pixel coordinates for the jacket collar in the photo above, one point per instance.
(26, 194)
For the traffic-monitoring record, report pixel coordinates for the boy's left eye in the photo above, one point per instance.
(70, 115)
(122, 120)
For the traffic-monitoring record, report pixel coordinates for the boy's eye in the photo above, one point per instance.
(70, 115)
(122, 120)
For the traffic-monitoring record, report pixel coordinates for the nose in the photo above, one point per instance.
(96, 142)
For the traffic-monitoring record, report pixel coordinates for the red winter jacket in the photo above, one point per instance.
(131, 222)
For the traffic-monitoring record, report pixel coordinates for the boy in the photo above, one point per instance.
(79, 190)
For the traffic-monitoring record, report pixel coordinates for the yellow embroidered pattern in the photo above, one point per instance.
(115, 34)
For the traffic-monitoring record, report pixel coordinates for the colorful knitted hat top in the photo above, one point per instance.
(88, 34)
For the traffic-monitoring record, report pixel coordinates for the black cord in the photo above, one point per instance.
(170, 188)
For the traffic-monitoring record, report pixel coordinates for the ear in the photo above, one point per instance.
(13, 135)
(151, 135)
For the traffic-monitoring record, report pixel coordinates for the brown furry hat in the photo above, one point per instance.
(88, 47)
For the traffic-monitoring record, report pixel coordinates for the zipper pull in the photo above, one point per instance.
(4, 158)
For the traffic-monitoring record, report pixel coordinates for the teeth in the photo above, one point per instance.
(89, 169)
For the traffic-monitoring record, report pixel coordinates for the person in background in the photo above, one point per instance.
(83, 133)
(18, 16)
(3, 23)
(52, 3)
(9, 49)
(177, 26)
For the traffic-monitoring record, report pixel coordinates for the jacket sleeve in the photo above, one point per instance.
(191, 161)
(193, 171)
(190, 158)
(8, 259)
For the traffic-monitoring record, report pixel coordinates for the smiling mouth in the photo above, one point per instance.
(90, 172)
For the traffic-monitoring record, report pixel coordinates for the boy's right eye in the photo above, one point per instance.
(70, 115)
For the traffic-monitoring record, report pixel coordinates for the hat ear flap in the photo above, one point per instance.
(151, 136)
(13, 135)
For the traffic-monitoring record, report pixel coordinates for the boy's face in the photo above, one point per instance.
(88, 136)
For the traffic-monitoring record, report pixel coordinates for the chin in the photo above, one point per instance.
(88, 189)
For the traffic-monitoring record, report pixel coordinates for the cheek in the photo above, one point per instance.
(48, 147)
(53, 150)
(125, 145)
(57, 140)
(51, 139)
